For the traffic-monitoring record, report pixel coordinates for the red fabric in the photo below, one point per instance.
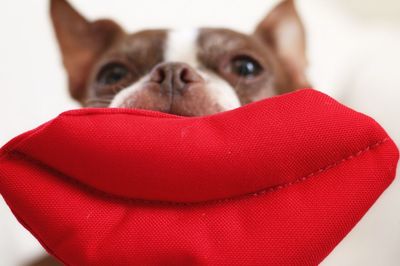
(277, 182)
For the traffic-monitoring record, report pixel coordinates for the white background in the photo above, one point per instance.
(354, 56)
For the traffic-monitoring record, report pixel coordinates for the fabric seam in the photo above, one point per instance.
(81, 185)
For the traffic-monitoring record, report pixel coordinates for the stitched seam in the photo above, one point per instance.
(18, 154)
(324, 169)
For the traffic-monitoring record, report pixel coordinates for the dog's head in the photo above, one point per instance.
(190, 73)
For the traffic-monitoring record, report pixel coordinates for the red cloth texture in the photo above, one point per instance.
(276, 182)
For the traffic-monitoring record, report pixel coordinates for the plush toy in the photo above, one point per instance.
(277, 182)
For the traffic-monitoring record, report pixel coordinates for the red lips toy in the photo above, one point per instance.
(277, 182)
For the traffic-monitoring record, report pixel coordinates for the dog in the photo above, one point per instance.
(183, 72)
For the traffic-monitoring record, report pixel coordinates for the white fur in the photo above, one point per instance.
(181, 46)
(127, 93)
(221, 91)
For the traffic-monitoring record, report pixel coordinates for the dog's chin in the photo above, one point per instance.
(191, 101)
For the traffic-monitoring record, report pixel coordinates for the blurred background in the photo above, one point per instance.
(353, 50)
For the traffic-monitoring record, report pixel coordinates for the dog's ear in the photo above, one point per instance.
(283, 31)
(81, 42)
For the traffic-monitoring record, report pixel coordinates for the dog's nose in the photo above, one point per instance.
(174, 76)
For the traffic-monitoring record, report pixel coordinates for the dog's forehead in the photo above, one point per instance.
(184, 45)
(214, 38)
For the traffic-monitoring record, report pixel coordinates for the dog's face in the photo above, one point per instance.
(183, 72)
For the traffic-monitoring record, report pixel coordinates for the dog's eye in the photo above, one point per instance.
(245, 66)
(112, 74)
